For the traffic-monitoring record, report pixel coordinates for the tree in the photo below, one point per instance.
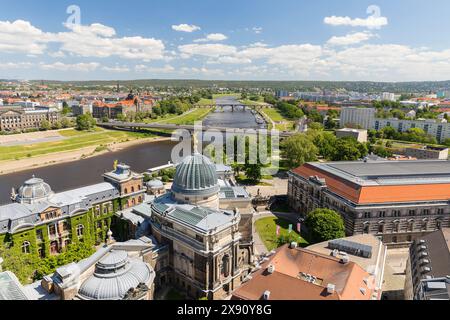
(22, 265)
(324, 225)
(45, 125)
(85, 122)
(253, 172)
(66, 123)
(66, 109)
(299, 149)
(348, 149)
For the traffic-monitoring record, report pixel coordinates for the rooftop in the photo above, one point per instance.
(383, 181)
(301, 274)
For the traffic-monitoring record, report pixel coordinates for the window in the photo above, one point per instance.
(132, 189)
(80, 230)
(396, 213)
(65, 226)
(426, 211)
(39, 234)
(380, 227)
(381, 214)
(52, 230)
(366, 215)
(366, 228)
(412, 212)
(440, 211)
(26, 247)
(225, 266)
(438, 224)
(410, 226)
(424, 224)
(126, 191)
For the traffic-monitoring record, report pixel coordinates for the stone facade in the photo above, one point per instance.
(397, 223)
(19, 119)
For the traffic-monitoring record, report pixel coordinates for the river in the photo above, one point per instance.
(140, 157)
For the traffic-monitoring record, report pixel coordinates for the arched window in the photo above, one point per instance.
(132, 189)
(26, 247)
(126, 190)
(225, 270)
(139, 199)
(133, 201)
(80, 230)
(366, 227)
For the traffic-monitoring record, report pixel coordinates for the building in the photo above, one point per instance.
(359, 135)
(388, 96)
(43, 223)
(80, 109)
(111, 110)
(427, 152)
(206, 223)
(354, 116)
(438, 130)
(292, 273)
(118, 271)
(11, 288)
(428, 267)
(17, 118)
(366, 250)
(398, 201)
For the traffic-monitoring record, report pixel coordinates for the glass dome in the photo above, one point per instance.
(33, 190)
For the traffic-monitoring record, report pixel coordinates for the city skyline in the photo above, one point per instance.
(367, 40)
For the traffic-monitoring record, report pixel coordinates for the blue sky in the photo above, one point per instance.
(402, 40)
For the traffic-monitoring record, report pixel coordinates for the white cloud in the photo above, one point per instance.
(95, 40)
(257, 30)
(117, 69)
(185, 27)
(15, 65)
(213, 50)
(230, 60)
(349, 39)
(371, 22)
(78, 67)
(144, 68)
(22, 37)
(213, 37)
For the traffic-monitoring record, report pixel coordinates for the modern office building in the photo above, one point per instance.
(398, 201)
(428, 267)
(436, 129)
(354, 116)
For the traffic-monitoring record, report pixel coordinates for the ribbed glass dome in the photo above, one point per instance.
(33, 190)
(114, 275)
(195, 175)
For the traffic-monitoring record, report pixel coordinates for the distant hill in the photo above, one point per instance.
(362, 86)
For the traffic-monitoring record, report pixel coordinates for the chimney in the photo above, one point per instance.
(271, 269)
(266, 295)
(293, 245)
(331, 288)
(345, 259)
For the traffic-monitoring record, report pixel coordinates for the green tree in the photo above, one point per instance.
(85, 122)
(45, 125)
(348, 149)
(22, 265)
(66, 109)
(299, 149)
(66, 123)
(253, 172)
(324, 224)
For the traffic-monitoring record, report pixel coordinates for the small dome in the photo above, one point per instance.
(114, 275)
(196, 175)
(155, 184)
(33, 190)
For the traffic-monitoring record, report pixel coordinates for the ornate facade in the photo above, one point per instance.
(42, 222)
(395, 200)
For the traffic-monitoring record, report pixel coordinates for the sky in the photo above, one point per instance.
(345, 40)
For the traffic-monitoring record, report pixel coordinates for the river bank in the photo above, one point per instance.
(12, 166)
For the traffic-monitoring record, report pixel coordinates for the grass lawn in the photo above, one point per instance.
(74, 140)
(191, 117)
(221, 95)
(267, 228)
(205, 102)
(276, 116)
